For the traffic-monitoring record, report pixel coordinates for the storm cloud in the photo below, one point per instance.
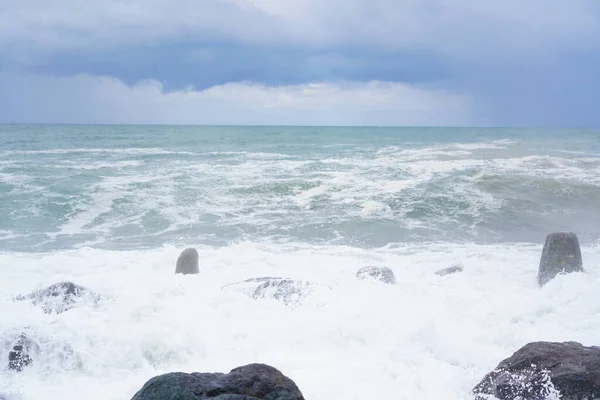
(460, 63)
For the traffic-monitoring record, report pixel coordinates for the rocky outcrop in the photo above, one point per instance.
(59, 297)
(541, 369)
(187, 263)
(450, 270)
(561, 255)
(250, 382)
(383, 274)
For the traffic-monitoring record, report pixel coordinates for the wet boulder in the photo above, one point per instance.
(561, 255)
(450, 270)
(59, 297)
(542, 370)
(249, 382)
(187, 263)
(383, 274)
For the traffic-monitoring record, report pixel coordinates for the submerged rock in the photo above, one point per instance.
(249, 382)
(561, 255)
(187, 263)
(264, 279)
(450, 270)
(19, 356)
(286, 290)
(25, 347)
(541, 369)
(59, 297)
(248, 286)
(383, 274)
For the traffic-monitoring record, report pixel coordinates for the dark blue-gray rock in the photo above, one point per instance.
(20, 354)
(542, 369)
(250, 382)
(187, 263)
(59, 297)
(450, 270)
(287, 291)
(383, 274)
(561, 255)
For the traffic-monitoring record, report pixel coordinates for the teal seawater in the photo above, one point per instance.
(137, 187)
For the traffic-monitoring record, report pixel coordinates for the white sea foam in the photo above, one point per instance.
(91, 166)
(426, 337)
(182, 192)
(127, 151)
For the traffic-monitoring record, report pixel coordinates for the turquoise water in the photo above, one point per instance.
(132, 187)
(111, 208)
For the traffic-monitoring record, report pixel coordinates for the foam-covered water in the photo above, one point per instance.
(110, 208)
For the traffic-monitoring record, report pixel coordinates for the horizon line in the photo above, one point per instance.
(306, 126)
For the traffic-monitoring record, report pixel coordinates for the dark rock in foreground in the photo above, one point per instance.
(561, 255)
(58, 298)
(383, 274)
(286, 290)
(187, 263)
(19, 356)
(250, 382)
(540, 369)
(450, 270)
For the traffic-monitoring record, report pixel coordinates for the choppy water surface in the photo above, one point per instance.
(110, 208)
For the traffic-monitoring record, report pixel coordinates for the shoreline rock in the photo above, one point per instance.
(540, 369)
(248, 382)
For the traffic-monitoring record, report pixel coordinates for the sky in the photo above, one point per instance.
(301, 62)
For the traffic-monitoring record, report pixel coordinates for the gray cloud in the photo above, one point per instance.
(519, 62)
(461, 27)
(89, 99)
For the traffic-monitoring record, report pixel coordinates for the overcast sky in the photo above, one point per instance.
(325, 62)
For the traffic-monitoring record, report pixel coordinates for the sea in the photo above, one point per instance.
(110, 208)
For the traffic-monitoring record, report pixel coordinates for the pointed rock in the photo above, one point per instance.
(561, 255)
(187, 263)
